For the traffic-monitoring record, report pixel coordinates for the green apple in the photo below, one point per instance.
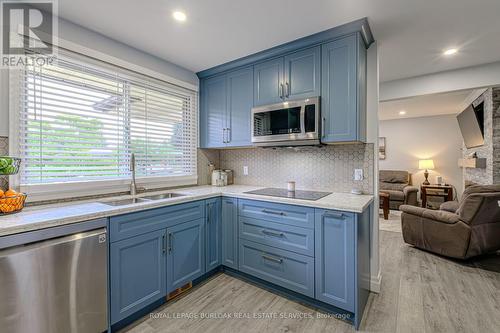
(8, 170)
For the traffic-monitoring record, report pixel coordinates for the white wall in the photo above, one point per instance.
(437, 138)
(79, 35)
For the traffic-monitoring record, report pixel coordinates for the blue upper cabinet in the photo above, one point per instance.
(213, 112)
(213, 234)
(294, 76)
(185, 253)
(226, 104)
(335, 241)
(302, 74)
(239, 106)
(343, 106)
(268, 82)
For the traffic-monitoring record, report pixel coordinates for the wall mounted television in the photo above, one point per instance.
(471, 123)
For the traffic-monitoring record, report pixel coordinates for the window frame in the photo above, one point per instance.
(64, 190)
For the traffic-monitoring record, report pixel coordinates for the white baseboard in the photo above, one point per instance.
(375, 282)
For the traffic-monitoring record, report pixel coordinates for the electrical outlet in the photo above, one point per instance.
(358, 174)
(245, 170)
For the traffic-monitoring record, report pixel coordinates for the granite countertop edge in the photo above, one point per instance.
(47, 216)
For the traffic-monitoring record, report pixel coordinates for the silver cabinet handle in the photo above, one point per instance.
(273, 233)
(268, 257)
(228, 135)
(287, 89)
(209, 212)
(267, 211)
(334, 215)
(281, 90)
(163, 246)
(170, 245)
(223, 135)
(323, 120)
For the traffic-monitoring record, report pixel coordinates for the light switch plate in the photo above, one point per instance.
(358, 174)
(245, 170)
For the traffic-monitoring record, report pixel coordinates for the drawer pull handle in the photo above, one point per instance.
(335, 215)
(272, 233)
(267, 257)
(267, 211)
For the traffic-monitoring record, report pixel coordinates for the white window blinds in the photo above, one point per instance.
(81, 122)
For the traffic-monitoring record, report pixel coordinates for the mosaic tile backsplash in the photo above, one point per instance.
(4, 150)
(327, 168)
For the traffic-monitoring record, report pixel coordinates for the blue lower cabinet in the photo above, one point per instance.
(284, 268)
(213, 234)
(229, 219)
(335, 242)
(185, 253)
(137, 273)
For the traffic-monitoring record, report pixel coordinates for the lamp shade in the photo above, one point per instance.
(426, 164)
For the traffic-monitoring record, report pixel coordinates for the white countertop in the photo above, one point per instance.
(40, 217)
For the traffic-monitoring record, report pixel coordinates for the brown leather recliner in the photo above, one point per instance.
(458, 229)
(397, 183)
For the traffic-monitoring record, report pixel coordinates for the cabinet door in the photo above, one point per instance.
(339, 107)
(213, 234)
(137, 273)
(302, 74)
(186, 253)
(268, 80)
(230, 232)
(335, 258)
(239, 107)
(213, 112)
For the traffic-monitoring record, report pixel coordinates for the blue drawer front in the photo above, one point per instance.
(286, 237)
(281, 213)
(284, 268)
(133, 224)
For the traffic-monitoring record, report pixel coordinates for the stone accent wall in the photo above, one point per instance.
(496, 134)
(491, 148)
(328, 168)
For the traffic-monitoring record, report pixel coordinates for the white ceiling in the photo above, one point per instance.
(425, 106)
(411, 33)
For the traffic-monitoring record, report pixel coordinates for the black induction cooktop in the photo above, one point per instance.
(284, 193)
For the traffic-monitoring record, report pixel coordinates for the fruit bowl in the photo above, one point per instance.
(9, 165)
(12, 204)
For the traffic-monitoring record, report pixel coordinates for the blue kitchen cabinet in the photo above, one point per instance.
(302, 75)
(185, 253)
(213, 112)
(335, 242)
(239, 107)
(268, 82)
(229, 219)
(213, 234)
(225, 111)
(137, 273)
(343, 102)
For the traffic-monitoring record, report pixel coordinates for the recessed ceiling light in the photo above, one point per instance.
(179, 16)
(402, 112)
(450, 52)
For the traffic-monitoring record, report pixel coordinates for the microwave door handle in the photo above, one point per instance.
(303, 120)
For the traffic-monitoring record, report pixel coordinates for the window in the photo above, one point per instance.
(80, 122)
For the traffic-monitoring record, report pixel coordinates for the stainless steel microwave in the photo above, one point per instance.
(291, 123)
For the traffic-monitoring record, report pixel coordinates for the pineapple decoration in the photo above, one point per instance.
(10, 200)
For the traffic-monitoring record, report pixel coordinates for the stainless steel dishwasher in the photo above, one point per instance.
(55, 285)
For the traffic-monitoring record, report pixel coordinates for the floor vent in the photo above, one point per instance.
(179, 291)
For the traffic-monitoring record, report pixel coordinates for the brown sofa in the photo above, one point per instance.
(458, 229)
(398, 185)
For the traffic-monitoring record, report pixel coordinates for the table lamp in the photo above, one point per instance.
(426, 165)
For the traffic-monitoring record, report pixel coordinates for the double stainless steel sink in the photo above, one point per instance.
(146, 198)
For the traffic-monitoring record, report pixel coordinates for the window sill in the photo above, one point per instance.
(61, 191)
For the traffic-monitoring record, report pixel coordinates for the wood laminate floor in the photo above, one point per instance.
(420, 292)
